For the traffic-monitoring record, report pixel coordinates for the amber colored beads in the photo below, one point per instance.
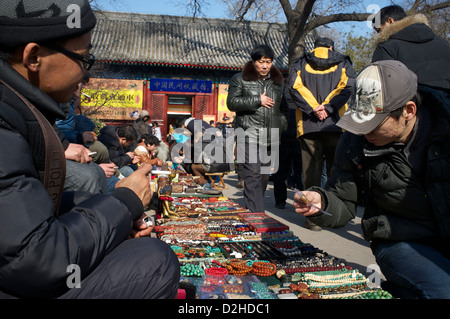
(264, 269)
(240, 268)
(236, 267)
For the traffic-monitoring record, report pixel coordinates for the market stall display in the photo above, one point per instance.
(226, 252)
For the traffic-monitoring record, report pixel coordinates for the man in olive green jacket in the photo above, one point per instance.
(394, 158)
(256, 95)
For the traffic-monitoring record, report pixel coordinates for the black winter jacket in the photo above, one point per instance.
(406, 188)
(322, 76)
(412, 42)
(36, 247)
(244, 98)
(110, 139)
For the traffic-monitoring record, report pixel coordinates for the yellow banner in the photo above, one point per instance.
(112, 98)
(224, 115)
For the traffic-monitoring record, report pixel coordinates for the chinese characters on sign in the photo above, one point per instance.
(174, 85)
(112, 99)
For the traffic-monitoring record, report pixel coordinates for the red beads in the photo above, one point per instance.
(292, 270)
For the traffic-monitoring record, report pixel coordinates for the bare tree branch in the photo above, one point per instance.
(307, 9)
(195, 7)
(307, 15)
(439, 6)
(415, 6)
(339, 17)
(245, 9)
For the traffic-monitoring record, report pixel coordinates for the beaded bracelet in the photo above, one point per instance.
(264, 269)
(236, 267)
(216, 271)
(191, 270)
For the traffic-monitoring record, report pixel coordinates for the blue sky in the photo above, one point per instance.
(217, 10)
(164, 7)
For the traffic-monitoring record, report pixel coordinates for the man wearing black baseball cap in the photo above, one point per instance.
(393, 159)
(55, 244)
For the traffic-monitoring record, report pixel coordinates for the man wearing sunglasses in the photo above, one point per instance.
(55, 244)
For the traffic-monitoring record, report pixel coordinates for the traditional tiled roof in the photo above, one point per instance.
(185, 42)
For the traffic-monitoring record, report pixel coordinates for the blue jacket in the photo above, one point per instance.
(74, 125)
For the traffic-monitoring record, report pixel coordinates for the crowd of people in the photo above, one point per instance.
(46, 231)
(70, 196)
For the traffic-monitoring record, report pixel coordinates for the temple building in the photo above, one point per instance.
(172, 66)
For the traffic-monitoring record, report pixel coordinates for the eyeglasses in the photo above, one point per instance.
(381, 124)
(86, 61)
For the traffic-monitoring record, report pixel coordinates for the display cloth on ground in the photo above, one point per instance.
(226, 252)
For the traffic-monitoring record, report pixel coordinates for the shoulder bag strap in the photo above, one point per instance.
(55, 162)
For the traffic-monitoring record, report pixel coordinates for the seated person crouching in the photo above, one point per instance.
(144, 150)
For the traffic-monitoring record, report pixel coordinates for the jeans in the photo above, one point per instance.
(418, 270)
(126, 170)
(112, 183)
(88, 177)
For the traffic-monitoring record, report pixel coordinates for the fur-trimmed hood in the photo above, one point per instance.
(249, 74)
(422, 32)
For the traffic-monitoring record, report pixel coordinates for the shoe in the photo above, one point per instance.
(311, 226)
(280, 205)
(240, 183)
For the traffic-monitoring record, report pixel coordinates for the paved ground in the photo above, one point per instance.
(344, 243)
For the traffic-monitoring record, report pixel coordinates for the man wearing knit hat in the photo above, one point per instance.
(55, 244)
(393, 159)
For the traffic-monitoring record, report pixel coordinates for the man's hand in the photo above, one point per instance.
(302, 203)
(108, 168)
(137, 160)
(89, 137)
(78, 153)
(139, 183)
(320, 112)
(266, 101)
(140, 228)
